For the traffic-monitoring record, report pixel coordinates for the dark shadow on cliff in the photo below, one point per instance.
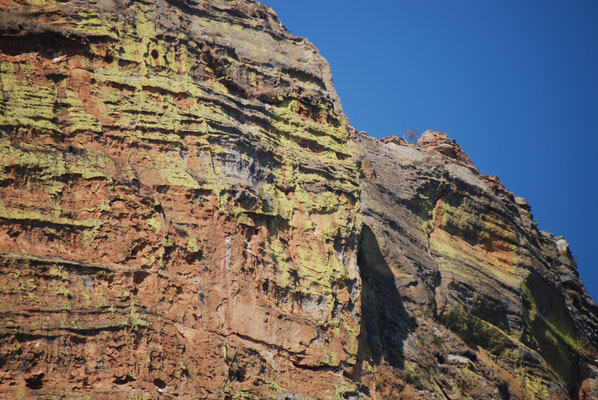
(549, 329)
(384, 323)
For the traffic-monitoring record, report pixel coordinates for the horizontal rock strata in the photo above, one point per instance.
(461, 291)
(186, 213)
(178, 204)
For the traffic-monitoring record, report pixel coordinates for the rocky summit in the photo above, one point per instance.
(185, 213)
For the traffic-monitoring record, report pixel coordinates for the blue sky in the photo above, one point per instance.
(514, 82)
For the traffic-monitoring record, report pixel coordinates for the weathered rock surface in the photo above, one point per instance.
(179, 204)
(185, 213)
(462, 294)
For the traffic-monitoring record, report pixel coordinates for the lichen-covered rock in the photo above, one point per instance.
(178, 204)
(185, 213)
(462, 294)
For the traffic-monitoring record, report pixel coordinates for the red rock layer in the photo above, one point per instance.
(185, 213)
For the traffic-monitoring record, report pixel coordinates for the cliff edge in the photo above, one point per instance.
(186, 213)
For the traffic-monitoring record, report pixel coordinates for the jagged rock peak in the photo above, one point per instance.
(439, 142)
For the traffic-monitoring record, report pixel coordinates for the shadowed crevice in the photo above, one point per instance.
(385, 323)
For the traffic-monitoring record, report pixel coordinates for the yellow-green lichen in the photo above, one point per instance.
(192, 246)
(535, 386)
(136, 320)
(176, 172)
(478, 331)
(37, 216)
(93, 23)
(549, 329)
(25, 103)
(52, 164)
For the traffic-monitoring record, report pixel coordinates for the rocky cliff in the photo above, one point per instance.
(185, 213)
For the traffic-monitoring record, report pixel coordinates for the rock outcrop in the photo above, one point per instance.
(462, 294)
(186, 213)
(179, 207)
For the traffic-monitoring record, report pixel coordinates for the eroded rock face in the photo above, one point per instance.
(462, 294)
(439, 142)
(178, 206)
(185, 213)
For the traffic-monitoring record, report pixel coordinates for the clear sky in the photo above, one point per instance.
(514, 82)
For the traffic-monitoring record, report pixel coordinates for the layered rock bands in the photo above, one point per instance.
(186, 213)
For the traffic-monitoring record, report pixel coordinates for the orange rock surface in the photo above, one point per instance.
(186, 213)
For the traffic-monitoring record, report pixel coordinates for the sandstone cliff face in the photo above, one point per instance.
(179, 203)
(461, 292)
(185, 213)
